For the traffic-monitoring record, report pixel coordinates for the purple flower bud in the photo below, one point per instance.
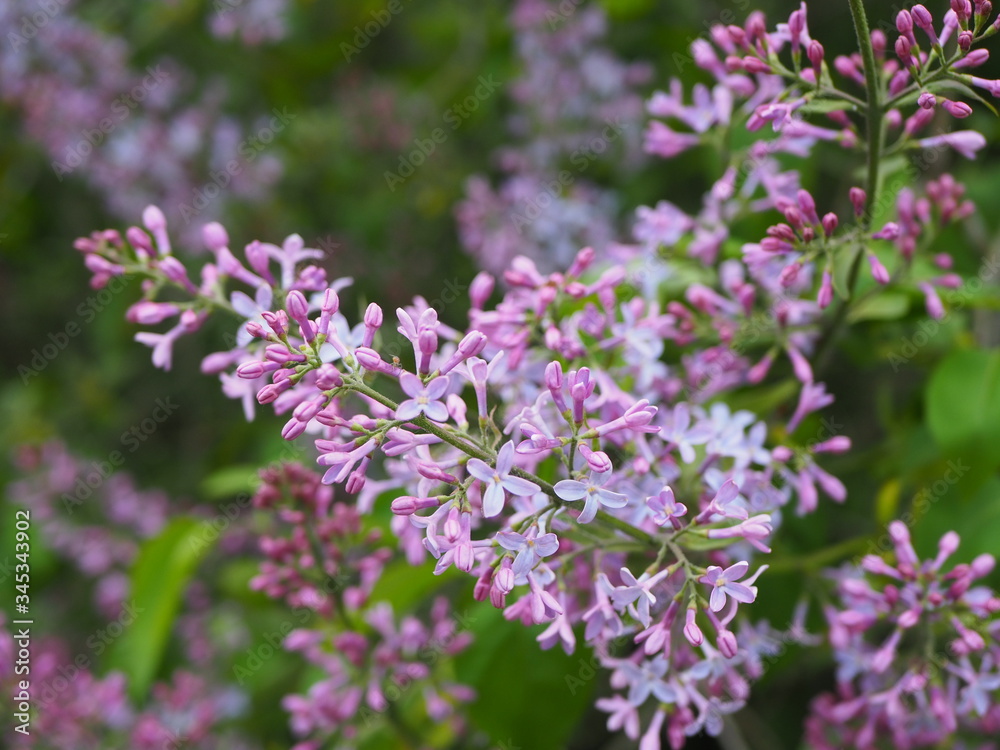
(858, 198)
(373, 316)
(879, 271)
(903, 51)
(281, 354)
(254, 370)
(837, 444)
(965, 40)
(922, 17)
(599, 461)
(830, 222)
(926, 100)
(297, 306)
(269, 393)
(256, 330)
(583, 260)
(309, 409)
(691, 630)
(153, 219)
(782, 454)
(800, 365)
(480, 289)
(328, 377)
(481, 590)
(278, 321)
(146, 312)
(932, 301)
(889, 232)
(215, 363)
(554, 382)
(174, 270)
(789, 274)
(983, 565)
(756, 65)
(815, 52)
(293, 427)
(759, 371)
(214, 236)
(504, 576)
(973, 60)
(904, 22)
(408, 505)
(372, 361)
(959, 110)
(726, 643)
(796, 25)
(139, 240)
(825, 296)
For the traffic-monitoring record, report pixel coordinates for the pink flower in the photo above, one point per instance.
(724, 582)
(424, 399)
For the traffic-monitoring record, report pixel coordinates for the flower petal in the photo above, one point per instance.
(571, 490)
(611, 499)
(546, 544)
(411, 384)
(436, 411)
(480, 470)
(505, 459)
(409, 409)
(510, 540)
(589, 510)
(493, 500)
(437, 387)
(520, 487)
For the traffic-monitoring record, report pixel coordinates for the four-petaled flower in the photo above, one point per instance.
(529, 549)
(724, 582)
(665, 508)
(423, 399)
(498, 478)
(593, 492)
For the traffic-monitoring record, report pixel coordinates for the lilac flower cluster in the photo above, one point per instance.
(917, 652)
(572, 450)
(326, 563)
(532, 504)
(90, 516)
(78, 708)
(575, 104)
(96, 520)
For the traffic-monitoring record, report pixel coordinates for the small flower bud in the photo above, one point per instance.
(214, 236)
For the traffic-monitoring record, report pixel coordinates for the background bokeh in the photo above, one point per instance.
(323, 176)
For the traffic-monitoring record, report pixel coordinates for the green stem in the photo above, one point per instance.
(873, 109)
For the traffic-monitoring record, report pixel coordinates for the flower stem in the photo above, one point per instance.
(873, 109)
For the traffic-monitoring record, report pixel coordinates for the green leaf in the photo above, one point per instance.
(510, 672)
(963, 403)
(881, 306)
(159, 576)
(230, 481)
